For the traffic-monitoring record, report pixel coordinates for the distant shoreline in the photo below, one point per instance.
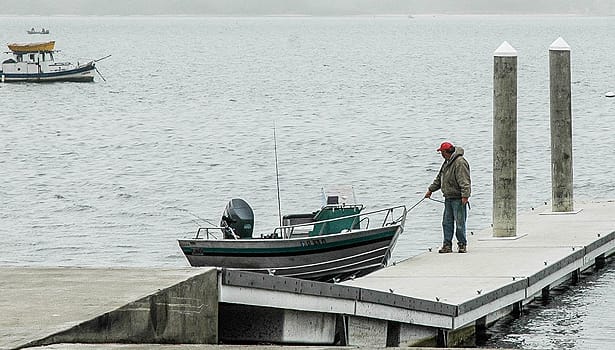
(315, 8)
(417, 16)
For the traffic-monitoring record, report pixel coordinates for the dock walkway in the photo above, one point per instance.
(430, 299)
(434, 297)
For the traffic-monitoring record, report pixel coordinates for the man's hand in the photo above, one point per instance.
(428, 194)
(464, 200)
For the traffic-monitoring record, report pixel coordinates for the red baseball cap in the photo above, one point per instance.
(445, 146)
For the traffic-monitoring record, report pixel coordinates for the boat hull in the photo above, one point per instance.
(80, 74)
(333, 257)
(32, 47)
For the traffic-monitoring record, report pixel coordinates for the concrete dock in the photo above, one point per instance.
(42, 306)
(429, 300)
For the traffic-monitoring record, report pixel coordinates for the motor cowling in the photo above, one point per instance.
(239, 217)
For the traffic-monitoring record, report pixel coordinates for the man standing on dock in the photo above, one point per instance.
(454, 180)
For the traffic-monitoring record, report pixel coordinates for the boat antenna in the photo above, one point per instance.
(277, 174)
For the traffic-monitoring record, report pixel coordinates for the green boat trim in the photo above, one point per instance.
(304, 246)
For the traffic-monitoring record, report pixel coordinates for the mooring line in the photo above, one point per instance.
(436, 200)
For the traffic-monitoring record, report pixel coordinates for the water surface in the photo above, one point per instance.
(112, 173)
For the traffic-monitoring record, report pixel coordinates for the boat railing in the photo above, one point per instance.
(209, 234)
(391, 216)
(60, 64)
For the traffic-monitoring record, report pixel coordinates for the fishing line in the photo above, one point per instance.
(196, 216)
(439, 201)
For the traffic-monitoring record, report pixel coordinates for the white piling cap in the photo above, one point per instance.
(505, 50)
(559, 45)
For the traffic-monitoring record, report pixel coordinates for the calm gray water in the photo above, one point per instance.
(112, 173)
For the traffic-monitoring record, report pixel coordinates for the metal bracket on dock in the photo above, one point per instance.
(503, 238)
(287, 284)
(562, 212)
(492, 296)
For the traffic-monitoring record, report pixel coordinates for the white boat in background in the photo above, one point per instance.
(34, 31)
(610, 94)
(35, 62)
(32, 47)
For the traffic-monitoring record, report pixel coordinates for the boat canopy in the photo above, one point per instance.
(32, 47)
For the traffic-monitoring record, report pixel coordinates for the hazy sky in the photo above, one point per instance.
(303, 7)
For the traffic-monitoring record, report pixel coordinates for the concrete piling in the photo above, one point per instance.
(505, 141)
(561, 126)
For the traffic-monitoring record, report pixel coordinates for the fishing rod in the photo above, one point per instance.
(277, 174)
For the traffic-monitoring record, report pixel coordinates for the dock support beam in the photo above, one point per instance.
(545, 293)
(480, 329)
(341, 330)
(442, 338)
(576, 276)
(561, 126)
(393, 332)
(517, 310)
(600, 261)
(505, 141)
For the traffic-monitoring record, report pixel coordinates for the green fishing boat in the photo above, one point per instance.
(339, 241)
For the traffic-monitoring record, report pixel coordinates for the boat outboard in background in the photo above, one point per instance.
(237, 219)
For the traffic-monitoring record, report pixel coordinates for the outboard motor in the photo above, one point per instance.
(238, 219)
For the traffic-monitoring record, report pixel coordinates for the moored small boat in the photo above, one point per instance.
(34, 31)
(35, 62)
(335, 243)
(32, 47)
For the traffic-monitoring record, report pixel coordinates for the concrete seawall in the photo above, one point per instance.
(428, 300)
(43, 306)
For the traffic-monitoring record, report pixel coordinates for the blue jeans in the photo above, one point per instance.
(454, 220)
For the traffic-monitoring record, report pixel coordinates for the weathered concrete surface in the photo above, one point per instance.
(367, 331)
(505, 141)
(560, 92)
(444, 295)
(251, 324)
(492, 263)
(217, 347)
(46, 305)
(496, 272)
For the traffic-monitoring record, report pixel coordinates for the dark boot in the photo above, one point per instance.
(462, 248)
(446, 249)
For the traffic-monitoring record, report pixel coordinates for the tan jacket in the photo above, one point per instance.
(453, 177)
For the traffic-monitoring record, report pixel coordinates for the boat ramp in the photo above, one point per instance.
(428, 300)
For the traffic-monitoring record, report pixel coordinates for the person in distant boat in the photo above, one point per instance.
(454, 181)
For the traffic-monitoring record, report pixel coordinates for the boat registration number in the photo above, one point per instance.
(313, 242)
